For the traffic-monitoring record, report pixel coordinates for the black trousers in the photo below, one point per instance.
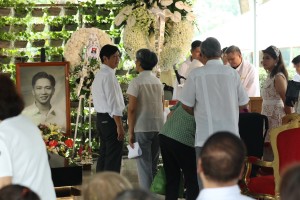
(176, 157)
(110, 147)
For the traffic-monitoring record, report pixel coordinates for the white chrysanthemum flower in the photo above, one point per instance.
(166, 2)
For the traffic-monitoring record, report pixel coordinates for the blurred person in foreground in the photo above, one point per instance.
(220, 166)
(290, 183)
(136, 194)
(105, 186)
(17, 192)
(23, 157)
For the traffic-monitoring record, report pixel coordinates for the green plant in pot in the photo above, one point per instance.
(21, 39)
(90, 21)
(70, 23)
(38, 39)
(55, 24)
(5, 23)
(5, 39)
(22, 8)
(19, 24)
(88, 7)
(57, 38)
(5, 7)
(55, 53)
(21, 57)
(71, 8)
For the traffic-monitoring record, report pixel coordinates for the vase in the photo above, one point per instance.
(38, 27)
(5, 59)
(5, 28)
(5, 43)
(37, 12)
(19, 28)
(5, 11)
(38, 43)
(20, 43)
(55, 28)
(56, 42)
(71, 11)
(71, 27)
(53, 11)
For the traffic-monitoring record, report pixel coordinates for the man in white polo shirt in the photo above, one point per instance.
(214, 94)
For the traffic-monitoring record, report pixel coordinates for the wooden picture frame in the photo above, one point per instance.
(47, 101)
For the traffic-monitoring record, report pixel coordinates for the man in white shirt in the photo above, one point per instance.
(41, 111)
(109, 105)
(187, 66)
(214, 94)
(247, 72)
(220, 166)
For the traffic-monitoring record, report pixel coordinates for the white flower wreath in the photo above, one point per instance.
(143, 28)
(79, 40)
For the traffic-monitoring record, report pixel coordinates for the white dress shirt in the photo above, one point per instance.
(215, 91)
(54, 116)
(181, 71)
(249, 78)
(222, 193)
(107, 93)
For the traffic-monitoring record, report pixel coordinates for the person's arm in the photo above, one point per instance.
(132, 105)
(4, 181)
(280, 87)
(120, 129)
(188, 109)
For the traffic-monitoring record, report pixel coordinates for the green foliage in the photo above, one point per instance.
(22, 36)
(60, 35)
(56, 21)
(6, 3)
(7, 36)
(69, 20)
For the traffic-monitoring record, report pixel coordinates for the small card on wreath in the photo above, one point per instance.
(134, 152)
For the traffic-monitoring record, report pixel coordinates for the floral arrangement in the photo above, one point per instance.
(56, 142)
(83, 63)
(164, 26)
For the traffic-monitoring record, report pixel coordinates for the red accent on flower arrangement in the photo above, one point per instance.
(69, 143)
(53, 143)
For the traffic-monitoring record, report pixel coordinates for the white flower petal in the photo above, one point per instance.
(179, 5)
(166, 2)
(191, 17)
(176, 17)
(167, 13)
(131, 20)
(119, 19)
(187, 8)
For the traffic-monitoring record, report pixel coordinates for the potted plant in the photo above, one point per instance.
(5, 7)
(104, 23)
(5, 40)
(70, 23)
(5, 23)
(88, 8)
(90, 21)
(55, 53)
(21, 40)
(37, 40)
(53, 10)
(57, 38)
(19, 25)
(5, 59)
(37, 12)
(103, 10)
(37, 27)
(70, 8)
(55, 24)
(22, 8)
(21, 57)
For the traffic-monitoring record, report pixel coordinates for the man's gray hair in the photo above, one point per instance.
(211, 48)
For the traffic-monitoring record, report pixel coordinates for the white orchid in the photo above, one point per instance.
(191, 17)
(166, 2)
(176, 17)
(127, 10)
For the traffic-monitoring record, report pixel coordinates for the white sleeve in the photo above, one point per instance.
(188, 94)
(243, 98)
(114, 96)
(132, 88)
(252, 83)
(5, 161)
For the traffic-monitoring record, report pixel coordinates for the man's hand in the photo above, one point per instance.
(131, 140)
(121, 133)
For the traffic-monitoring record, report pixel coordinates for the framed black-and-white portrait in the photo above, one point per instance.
(45, 90)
